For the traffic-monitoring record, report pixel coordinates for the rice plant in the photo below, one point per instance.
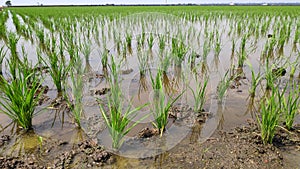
(161, 105)
(2, 55)
(116, 119)
(242, 56)
(20, 95)
(255, 80)
(74, 98)
(199, 95)
(58, 68)
(270, 113)
(291, 106)
(223, 86)
(269, 76)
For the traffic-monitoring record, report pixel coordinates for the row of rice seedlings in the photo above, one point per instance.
(20, 94)
(116, 119)
(160, 103)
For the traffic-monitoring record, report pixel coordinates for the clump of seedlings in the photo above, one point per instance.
(223, 86)
(291, 106)
(20, 94)
(116, 119)
(2, 55)
(270, 109)
(160, 104)
(199, 95)
(74, 98)
(58, 68)
(255, 80)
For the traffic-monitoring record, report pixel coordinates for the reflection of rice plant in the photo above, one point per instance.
(20, 95)
(291, 106)
(199, 95)
(117, 121)
(270, 113)
(160, 109)
(223, 86)
(74, 99)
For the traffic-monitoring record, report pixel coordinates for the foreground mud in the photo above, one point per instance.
(238, 148)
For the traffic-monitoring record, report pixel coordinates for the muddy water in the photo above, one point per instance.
(236, 110)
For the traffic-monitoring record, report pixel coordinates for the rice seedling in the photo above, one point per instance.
(179, 51)
(104, 60)
(150, 41)
(160, 104)
(20, 95)
(162, 43)
(199, 95)
(255, 80)
(115, 118)
(291, 106)
(269, 76)
(129, 43)
(58, 68)
(242, 56)
(270, 113)
(86, 51)
(2, 55)
(12, 45)
(74, 98)
(223, 86)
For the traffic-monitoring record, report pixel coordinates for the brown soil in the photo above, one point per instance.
(239, 148)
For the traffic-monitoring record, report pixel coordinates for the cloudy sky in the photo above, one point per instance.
(82, 2)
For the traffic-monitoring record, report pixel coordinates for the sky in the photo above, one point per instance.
(89, 2)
